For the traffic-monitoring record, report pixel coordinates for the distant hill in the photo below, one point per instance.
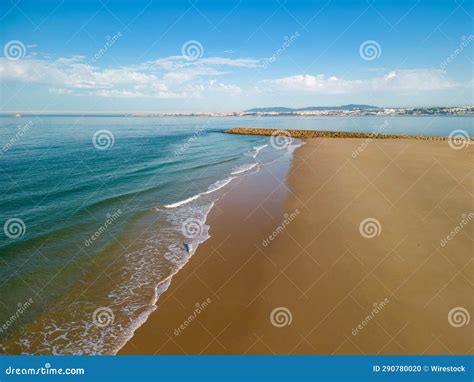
(310, 108)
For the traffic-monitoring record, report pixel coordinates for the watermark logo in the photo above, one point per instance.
(103, 139)
(45, 370)
(192, 228)
(19, 134)
(103, 317)
(192, 50)
(287, 42)
(377, 308)
(465, 42)
(458, 139)
(109, 42)
(370, 50)
(21, 308)
(287, 219)
(458, 317)
(360, 149)
(281, 139)
(14, 50)
(184, 147)
(110, 219)
(14, 228)
(280, 317)
(465, 220)
(370, 228)
(198, 309)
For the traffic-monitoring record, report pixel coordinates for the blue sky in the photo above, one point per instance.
(150, 55)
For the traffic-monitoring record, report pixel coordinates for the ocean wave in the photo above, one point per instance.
(212, 188)
(143, 275)
(256, 150)
(294, 146)
(243, 168)
(181, 202)
(175, 254)
(218, 185)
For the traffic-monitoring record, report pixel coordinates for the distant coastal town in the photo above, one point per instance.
(345, 110)
(319, 111)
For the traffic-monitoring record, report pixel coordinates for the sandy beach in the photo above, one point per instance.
(354, 250)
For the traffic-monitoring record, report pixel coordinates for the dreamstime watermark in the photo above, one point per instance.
(192, 50)
(370, 227)
(287, 42)
(199, 308)
(192, 228)
(281, 139)
(360, 149)
(378, 307)
(46, 370)
(465, 42)
(458, 139)
(287, 219)
(280, 317)
(109, 42)
(14, 228)
(185, 146)
(19, 134)
(465, 220)
(103, 139)
(14, 50)
(370, 50)
(458, 317)
(103, 317)
(21, 308)
(110, 219)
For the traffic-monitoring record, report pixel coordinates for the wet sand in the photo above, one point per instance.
(332, 289)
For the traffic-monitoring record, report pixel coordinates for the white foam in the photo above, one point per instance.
(243, 168)
(212, 188)
(218, 185)
(181, 256)
(294, 146)
(180, 203)
(141, 272)
(164, 284)
(256, 150)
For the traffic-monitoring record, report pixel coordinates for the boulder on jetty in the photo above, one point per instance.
(328, 134)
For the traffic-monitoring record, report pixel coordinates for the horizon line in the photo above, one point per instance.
(114, 112)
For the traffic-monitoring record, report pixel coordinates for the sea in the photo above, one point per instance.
(98, 213)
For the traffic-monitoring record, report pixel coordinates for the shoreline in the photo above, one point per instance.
(269, 178)
(316, 282)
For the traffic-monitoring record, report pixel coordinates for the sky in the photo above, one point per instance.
(232, 55)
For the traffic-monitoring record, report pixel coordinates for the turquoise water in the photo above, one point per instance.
(118, 203)
(100, 212)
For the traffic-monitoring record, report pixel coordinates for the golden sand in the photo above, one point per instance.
(359, 266)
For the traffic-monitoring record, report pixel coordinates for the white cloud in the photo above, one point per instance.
(232, 90)
(60, 91)
(177, 62)
(188, 74)
(178, 77)
(238, 62)
(170, 77)
(412, 80)
(308, 83)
